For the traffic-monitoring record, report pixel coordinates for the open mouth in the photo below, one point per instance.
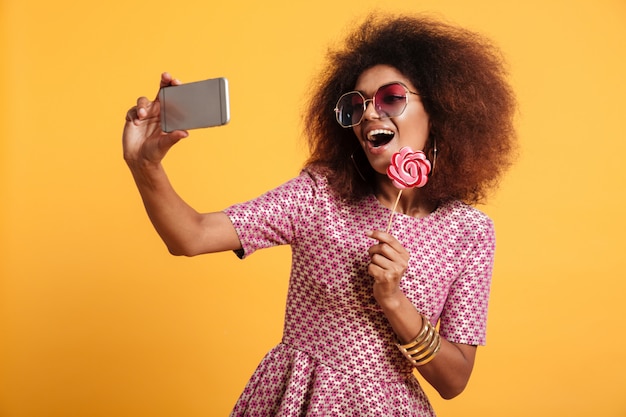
(380, 137)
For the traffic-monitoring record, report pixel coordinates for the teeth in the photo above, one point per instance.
(370, 135)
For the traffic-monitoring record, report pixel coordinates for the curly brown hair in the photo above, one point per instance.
(461, 78)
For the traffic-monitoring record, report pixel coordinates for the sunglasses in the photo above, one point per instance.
(390, 100)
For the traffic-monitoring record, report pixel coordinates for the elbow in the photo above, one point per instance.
(450, 395)
(176, 252)
(452, 391)
(181, 251)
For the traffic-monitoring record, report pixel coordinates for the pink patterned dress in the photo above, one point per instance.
(337, 356)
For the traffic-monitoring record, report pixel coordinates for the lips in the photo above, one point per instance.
(379, 137)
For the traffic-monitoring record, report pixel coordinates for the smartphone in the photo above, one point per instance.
(195, 105)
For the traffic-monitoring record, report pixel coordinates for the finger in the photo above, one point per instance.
(135, 115)
(177, 135)
(142, 102)
(378, 248)
(170, 139)
(381, 261)
(144, 108)
(384, 237)
(388, 251)
(166, 79)
(374, 271)
(384, 276)
(131, 114)
(386, 257)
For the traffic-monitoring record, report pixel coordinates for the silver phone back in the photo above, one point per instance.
(195, 105)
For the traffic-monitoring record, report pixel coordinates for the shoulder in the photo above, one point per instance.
(313, 182)
(317, 177)
(301, 193)
(464, 217)
(307, 183)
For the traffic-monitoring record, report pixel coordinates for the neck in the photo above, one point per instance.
(411, 203)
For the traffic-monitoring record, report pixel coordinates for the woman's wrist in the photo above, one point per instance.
(390, 302)
(146, 173)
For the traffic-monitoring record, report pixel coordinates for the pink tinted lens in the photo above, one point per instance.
(390, 100)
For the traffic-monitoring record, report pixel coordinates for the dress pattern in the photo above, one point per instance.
(338, 355)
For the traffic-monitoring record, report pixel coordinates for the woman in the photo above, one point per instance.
(363, 303)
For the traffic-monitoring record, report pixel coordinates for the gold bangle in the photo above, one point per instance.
(420, 337)
(432, 355)
(417, 349)
(429, 346)
(424, 347)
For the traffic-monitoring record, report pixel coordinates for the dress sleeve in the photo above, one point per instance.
(464, 316)
(272, 218)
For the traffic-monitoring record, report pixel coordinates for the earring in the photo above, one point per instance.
(357, 167)
(432, 168)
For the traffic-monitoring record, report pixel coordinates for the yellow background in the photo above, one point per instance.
(97, 319)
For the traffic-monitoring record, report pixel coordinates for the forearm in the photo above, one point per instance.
(183, 229)
(452, 366)
(451, 369)
(177, 223)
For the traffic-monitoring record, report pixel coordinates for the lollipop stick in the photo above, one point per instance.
(393, 210)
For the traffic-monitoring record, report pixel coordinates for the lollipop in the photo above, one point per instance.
(408, 169)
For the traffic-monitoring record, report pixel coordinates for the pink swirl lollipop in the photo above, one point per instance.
(408, 169)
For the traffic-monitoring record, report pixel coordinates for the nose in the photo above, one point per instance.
(370, 111)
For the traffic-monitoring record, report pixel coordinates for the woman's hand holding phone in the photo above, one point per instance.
(144, 142)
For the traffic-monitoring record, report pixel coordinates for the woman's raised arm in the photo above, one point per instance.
(184, 230)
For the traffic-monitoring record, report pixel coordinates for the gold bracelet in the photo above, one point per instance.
(424, 347)
(434, 352)
(424, 334)
(427, 348)
(421, 346)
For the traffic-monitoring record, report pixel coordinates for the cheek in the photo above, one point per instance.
(417, 127)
